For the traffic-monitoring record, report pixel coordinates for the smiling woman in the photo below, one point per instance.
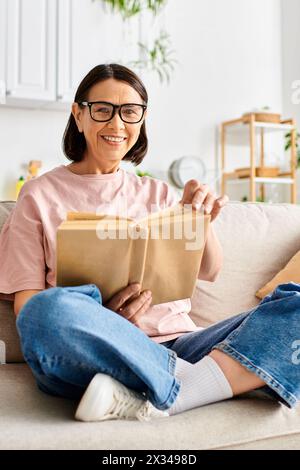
(98, 137)
(126, 358)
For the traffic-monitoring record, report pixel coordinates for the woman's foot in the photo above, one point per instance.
(106, 398)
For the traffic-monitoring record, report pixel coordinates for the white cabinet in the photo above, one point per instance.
(48, 46)
(31, 51)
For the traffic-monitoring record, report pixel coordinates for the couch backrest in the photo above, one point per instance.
(257, 239)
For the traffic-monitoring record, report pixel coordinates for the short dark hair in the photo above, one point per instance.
(74, 143)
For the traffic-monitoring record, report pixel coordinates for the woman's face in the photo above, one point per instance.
(105, 153)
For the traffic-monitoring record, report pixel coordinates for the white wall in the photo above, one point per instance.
(230, 62)
(291, 65)
(291, 58)
(28, 135)
(229, 54)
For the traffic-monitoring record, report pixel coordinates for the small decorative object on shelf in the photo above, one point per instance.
(33, 168)
(142, 173)
(258, 199)
(263, 115)
(32, 171)
(19, 185)
(259, 122)
(267, 171)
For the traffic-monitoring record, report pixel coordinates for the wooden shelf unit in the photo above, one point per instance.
(287, 125)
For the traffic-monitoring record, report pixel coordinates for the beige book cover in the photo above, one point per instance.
(162, 252)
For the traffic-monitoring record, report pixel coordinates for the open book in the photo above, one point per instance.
(162, 252)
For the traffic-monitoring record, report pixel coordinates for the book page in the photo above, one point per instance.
(88, 253)
(92, 216)
(165, 258)
(175, 249)
(138, 253)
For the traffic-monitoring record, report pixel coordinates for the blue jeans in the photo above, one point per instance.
(67, 336)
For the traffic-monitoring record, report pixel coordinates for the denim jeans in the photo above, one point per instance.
(67, 336)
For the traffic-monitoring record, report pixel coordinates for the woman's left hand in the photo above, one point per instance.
(200, 195)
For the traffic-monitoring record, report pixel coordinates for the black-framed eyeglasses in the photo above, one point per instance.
(102, 111)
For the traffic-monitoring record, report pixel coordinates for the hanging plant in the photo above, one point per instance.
(129, 8)
(157, 58)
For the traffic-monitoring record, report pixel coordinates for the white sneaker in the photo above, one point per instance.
(106, 398)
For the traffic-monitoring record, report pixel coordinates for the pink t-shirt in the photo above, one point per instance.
(28, 237)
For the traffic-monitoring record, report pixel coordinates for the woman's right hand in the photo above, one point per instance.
(130, 302)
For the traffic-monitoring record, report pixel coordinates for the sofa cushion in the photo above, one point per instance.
(31, 419)
(258, 239)
(8, 334)
(5, 209)
(290, 273)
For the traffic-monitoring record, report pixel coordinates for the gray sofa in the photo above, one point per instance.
(258, 240)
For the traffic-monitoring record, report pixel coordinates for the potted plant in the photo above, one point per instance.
(157, 56)
(129, 8)
(288, 144)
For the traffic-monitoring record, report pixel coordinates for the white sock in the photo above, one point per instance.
(201, 383)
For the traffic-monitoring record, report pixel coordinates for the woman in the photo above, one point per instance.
(129, 359)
